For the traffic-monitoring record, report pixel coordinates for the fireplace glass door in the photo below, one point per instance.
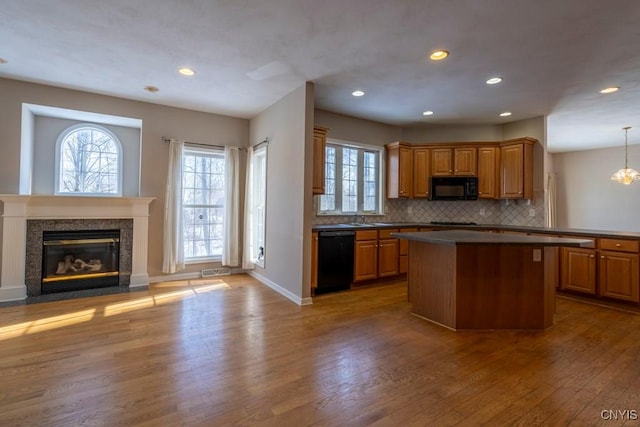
(74, 260)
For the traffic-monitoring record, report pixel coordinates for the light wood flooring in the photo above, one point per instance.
(231, 351)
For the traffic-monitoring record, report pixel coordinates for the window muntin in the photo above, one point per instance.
(88, 161)
(352, 180)
(203, 203)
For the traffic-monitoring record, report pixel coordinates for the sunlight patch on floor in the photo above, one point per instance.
(46, 324)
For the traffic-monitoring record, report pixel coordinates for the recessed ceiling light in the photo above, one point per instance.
(609, 89)
(494, 80)
(151, 89)
(438, 55)
(3, 61)
(505, 114)
(185, 71)
(427, 113)
(357, 93)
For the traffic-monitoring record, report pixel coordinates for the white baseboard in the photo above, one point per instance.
(172, 277)
(279, 289)
(13, 294)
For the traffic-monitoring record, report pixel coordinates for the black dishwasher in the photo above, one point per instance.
(335, 260)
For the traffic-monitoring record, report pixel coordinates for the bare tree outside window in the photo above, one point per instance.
(89, 163)
(203, 203)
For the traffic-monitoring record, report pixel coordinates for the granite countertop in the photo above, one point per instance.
(483, 227)
(454, 237)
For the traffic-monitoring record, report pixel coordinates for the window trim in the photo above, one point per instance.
(57, 157)
(203, 150)
(262, 152)
(381, 173)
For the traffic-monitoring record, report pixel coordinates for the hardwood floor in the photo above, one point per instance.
(230, 351)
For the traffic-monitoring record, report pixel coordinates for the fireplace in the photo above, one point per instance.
(81, 259)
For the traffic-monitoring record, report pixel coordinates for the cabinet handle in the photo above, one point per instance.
(591, 256)
(602, 257)
(618, 245)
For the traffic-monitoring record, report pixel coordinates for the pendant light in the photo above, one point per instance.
(627, 175)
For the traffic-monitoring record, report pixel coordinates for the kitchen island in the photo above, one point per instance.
(472, 280)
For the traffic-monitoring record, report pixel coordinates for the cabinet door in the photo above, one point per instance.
(465, 161)
(578, 270)
(366, 260)
(319, 144)
(406, 172)
(314, 261)
(421, 172)
(488, 172)
(441, 162)
(387, 257)
(512, 171)
(399, 171)
(619, 276)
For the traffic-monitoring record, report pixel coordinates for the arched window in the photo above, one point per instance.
(88, 161)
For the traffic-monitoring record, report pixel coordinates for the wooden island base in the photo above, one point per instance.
(466, 280)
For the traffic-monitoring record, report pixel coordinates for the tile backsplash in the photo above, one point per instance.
(503, 212)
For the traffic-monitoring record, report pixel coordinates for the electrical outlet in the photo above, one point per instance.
(410, 210)
(482, 212)
(532, 213)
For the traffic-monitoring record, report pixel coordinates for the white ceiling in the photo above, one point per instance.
(554, 55)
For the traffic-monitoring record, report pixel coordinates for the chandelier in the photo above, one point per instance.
(627, 175)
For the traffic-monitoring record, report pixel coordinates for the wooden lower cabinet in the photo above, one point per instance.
(618, 276)
(611, 269)
(403, 251)
(578, 270)
(376, 254)
(365, 260)
(387, 257)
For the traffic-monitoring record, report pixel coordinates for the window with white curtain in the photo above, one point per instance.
(352, 180)
(258, 204)
(88, 161)
(203, 172)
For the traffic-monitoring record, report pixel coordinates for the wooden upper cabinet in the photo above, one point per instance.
(465, 161)
(441, 162)
(399, 171)
(454, 161)
(421, 176)
(488, 172)
(319, 144)
(516, 171)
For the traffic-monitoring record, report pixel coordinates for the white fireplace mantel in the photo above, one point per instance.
(17, 209)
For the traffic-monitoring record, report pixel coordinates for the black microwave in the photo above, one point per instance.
(454, 188)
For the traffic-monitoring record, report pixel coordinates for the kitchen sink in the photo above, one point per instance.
(380, 224)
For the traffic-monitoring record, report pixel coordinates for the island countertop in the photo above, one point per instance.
(455, 237)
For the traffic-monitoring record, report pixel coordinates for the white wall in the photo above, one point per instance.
(157, 121)
(445, 133)
(289, 126)
(353, 129)
(588, 199)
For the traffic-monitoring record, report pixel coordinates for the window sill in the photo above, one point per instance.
(190, 261)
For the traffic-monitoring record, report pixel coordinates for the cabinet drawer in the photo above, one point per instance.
(386, 233)
(366, 234)
(619, 245)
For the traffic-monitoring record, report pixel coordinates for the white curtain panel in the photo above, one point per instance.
(552, 194)
(173, 247)
(247, 262)
(230, 249)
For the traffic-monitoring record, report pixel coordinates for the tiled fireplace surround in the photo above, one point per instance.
(25, 217)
